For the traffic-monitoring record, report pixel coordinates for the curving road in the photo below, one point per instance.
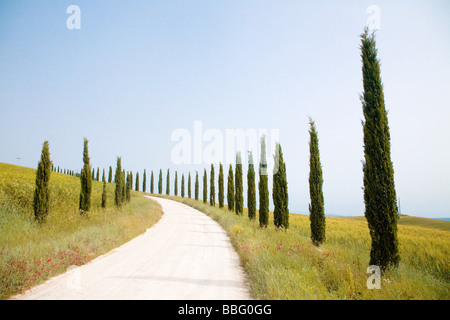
(186, 255)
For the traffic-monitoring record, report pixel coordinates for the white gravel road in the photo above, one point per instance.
(186, 255)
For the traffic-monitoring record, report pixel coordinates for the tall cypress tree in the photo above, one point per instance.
(212, 188)
(151, 182)
(196, 185)
(168, 182)
(239, 188)
(118, 179)
(86, 181)
(104, 190)
(205, 187)
(189, 185)
(182, 185)
(131, 180)
(137, 182)
(128, 186)
(380, 199)
(144, 182)
(230, 189)
(41, 199)
(110, 175)
(176, 184)
(160, 183)
(221, 186)
(98, 174)
(316, 208)
(251, 192)
(263, 187)
(123, 176)
(280, 192)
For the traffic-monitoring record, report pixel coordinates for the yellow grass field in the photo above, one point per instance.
(285, 264)
(31, 252)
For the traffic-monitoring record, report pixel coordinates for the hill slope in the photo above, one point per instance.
(406, 220)
(32, 252)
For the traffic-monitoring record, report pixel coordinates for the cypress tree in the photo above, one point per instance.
(118, 192)
(137, 181)
(176, 184)
(182, 185)
(239, 188)
(128, 187)
(251, 192)
(160, 183)
(144, 182)
(124, 185)
(316, 208)
(263, 187)
(104, 190)
(196, 185)
(212, 188)
(151, 182)
(41, 199)
(110, 175)
(205, 187)
(93, 174)
(380, 199)
(98, 174)
(168, 182)
(86, 181)
(221, 186)
(280, 192)
(131, 179)
(189, 185)
(230, 189)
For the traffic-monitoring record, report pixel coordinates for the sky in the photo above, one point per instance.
(137, 73)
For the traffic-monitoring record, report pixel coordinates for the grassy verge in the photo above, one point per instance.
(285, 265)
(30, 252)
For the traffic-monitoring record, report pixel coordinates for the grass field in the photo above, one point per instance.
(279, 264)
(285, 265)
(31, 253)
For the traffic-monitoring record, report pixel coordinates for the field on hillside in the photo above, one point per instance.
(285, 265)
(31, 252)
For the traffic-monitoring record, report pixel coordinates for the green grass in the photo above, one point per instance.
(285, 265)
(31, 252)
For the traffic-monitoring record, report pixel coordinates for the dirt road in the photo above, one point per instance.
(186, 255)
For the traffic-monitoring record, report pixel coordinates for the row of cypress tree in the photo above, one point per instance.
(380, 200)
(235, 197)
(41, 198)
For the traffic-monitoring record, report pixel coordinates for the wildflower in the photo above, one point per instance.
(236, 229)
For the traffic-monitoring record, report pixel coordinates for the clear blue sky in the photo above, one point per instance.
(138, 70)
